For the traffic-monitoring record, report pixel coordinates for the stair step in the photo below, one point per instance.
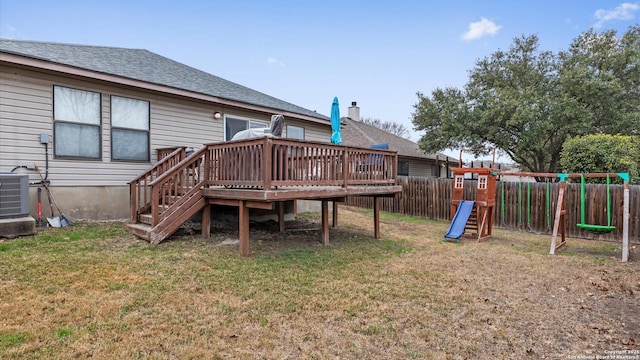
(145, 219)
(140, 230)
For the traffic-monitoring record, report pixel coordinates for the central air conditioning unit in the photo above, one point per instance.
(14, 195)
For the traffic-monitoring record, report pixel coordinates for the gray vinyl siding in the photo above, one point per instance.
(312, 131)
(26, 110)
(183, 124)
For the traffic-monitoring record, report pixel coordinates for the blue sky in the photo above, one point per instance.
(378, 53)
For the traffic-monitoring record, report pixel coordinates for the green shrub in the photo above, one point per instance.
(602, 153)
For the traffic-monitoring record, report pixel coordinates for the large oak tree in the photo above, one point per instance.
(527, 102)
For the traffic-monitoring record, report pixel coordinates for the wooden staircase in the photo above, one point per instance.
(166, 196)
(173, 218)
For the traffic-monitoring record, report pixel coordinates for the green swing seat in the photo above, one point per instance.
(596, 228)
(600, 229)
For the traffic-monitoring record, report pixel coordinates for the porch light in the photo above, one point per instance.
(217, 115)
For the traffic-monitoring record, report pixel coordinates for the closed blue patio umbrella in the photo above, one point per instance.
(335, 122)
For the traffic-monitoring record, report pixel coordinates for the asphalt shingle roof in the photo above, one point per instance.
(144, 65)
(357, 133)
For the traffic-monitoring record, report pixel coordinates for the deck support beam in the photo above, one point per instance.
(324, 231)
(335, 214)
(206, 221)
(243, 227)
(281, 215)
(376, 217)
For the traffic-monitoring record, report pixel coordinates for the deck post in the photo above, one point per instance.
(281, 215)
(376, 217)
(243, 227)
(325, 222)
(206, 221)
(267, 160)
(335, 214)
(133, 202)
(394, 172)
(207, 176)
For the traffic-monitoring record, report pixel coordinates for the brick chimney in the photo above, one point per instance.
(354, 111)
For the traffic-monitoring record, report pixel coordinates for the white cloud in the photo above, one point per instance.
(272, 60)
(481, 28)
(624, 11)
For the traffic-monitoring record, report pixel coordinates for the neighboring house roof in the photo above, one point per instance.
(358, 133)
(146, 66)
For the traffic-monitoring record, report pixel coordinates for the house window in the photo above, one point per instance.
(403, 168)
(233, 125)
(482, 182)
(129, 129)
(295, 132)
(435, 170)
(76, 123)
(459, 182)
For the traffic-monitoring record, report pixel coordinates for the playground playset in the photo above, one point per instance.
(473, 218)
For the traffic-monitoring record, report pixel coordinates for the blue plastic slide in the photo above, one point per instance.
(460, 220)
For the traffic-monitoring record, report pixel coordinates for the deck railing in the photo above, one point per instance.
(271, 162)
(263, 163)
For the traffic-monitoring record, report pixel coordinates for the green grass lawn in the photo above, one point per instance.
(93, 290)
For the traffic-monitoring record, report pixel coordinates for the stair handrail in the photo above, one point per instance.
(162, 186)
(179, 153)
(137, 185)
(183, 163)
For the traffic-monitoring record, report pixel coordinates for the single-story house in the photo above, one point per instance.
(412, 161)
(93, 118)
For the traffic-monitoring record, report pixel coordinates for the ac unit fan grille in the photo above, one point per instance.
(14, 195)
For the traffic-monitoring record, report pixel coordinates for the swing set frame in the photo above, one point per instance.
(560, 213)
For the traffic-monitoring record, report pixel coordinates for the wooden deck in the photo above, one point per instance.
(257, 173)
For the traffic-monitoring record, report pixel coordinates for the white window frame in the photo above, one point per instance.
(458, 181)
(140, 130)
(482, 182)
(58, 134)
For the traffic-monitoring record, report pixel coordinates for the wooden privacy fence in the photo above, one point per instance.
(528, 206)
